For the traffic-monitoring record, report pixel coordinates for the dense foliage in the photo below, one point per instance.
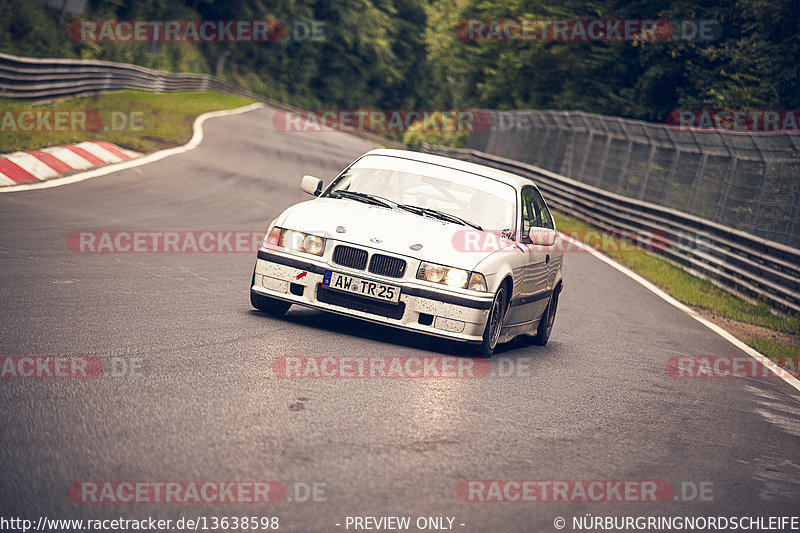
(406, 54)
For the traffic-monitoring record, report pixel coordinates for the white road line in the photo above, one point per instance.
(197, 138)
(32, 165)
(758, 356)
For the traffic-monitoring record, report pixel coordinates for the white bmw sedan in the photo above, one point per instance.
(420, 242)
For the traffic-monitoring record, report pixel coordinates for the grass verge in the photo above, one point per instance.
(138, 120)
(775, 335)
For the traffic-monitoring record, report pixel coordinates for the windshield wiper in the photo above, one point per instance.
(441, 215)
(422, 211)
(366, 198)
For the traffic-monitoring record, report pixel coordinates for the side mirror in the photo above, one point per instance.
(542, 236)
(311, 185)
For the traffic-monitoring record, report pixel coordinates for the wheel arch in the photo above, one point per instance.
(508, 282)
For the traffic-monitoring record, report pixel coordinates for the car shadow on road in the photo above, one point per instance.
(343, 325)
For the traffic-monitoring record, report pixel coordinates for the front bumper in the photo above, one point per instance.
(421, 308)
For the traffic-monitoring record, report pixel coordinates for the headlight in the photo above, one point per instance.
(295, 240)
(313, 244)
(452, 277)
(432, 273)
(456, 277)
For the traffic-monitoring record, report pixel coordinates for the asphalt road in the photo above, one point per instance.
(204, 404)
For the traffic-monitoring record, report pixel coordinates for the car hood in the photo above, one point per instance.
(395, 231)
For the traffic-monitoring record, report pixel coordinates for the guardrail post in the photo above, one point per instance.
(605, 154)
(791, 224)
(671, 176)
(569, 149)
(643, 188)
(761, 184)
(793, 216)
(544, 140)
(701, 169)
(627, 157)
(557, 150)
(588, 146)
(726, 185)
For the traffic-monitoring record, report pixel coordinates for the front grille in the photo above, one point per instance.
(350, 257)
(348, 301)
(384, 265)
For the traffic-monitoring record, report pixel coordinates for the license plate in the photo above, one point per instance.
(361, 287)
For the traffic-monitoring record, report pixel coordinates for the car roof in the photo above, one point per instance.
(508, 178)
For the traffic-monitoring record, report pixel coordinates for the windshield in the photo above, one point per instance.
(488, 203)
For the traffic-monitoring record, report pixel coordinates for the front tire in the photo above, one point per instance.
(265, 304)
(491, 334)
(547, 320)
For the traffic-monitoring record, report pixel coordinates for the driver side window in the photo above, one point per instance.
(534, 211)
(546, 221)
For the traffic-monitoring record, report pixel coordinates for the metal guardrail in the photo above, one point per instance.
(745, 264)
(746, 180)
(46, 79)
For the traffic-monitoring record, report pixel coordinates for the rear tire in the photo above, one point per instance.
(494, 323)
(547, 320)
(265, 304)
